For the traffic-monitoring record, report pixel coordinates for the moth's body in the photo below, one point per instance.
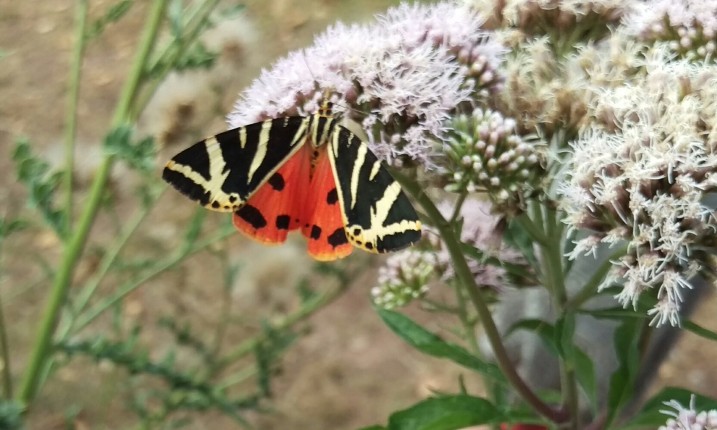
(308, 173)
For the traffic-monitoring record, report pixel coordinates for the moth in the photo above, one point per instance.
(306, 173)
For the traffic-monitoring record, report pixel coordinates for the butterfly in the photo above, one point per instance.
(306, 173)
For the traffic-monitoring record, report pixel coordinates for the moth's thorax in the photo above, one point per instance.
(320, 129)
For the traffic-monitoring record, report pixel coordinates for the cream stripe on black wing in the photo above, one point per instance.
(378, 216)
(223, 171)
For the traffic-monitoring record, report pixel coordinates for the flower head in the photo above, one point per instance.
(405, 277)
(689, 27)
(484, 152)
(687, 418)
(643, 181)
(401, 78)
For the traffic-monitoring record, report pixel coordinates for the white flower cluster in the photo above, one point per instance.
(689, 26)
(401, 77)
(688, 418)
(645, 183)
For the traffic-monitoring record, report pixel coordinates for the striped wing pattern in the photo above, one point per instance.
(378, 217)
(223, 171)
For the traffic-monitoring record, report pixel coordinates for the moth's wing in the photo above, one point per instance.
(277, 207)
(223, 171)
(322, 221)
(378, 217)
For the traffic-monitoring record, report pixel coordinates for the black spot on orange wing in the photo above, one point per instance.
(283, 222)
(322, 217)
(338, 238)
(315, 232)
(252, 215)
(277, 182)
(332, 197)
(279, 207)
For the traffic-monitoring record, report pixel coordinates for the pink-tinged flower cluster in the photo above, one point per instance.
(407, 275)
(687, 418)
(485, 153)
(400, 78)
(643, 182)
(483, 230)
(573, 20)
(688, 26)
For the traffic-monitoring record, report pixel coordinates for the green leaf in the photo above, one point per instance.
(433, 345)
(35, 174)
(114, 14)
(559, 341)
(139, 155)
(376, 427)
(544, 330)
(445, 413)
(698, 330)
(622, 380)
(585, 373)
(10, 415)
(196, 57)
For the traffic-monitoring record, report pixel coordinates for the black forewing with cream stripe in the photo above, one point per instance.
(378, 216)
(223, 171)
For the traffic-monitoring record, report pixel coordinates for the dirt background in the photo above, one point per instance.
(348, 371)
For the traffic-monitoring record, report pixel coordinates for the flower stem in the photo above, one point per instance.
(5, 356)
(465, 277)
(554, 280)
(63, 277)
(71, 118)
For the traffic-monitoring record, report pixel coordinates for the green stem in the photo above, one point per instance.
(130, 286)
(465, 277)
(554, 280)
(71, 114)
(63, 277)
(307, 309)
(172, 52)
(4, 349)
(107, 262)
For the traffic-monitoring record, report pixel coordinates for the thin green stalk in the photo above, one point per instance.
(171, 53)
(107, 262)
(307, 309)
(130, 286)
(465, 276)
(5, 351)
(71, 114)
(554, 279)
(63, 278)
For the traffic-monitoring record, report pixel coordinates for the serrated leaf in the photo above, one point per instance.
(35, 174)
(433, 345)
(196, 57)
(445, 413)
(651, 416)
(113, 14)
(139, 155)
